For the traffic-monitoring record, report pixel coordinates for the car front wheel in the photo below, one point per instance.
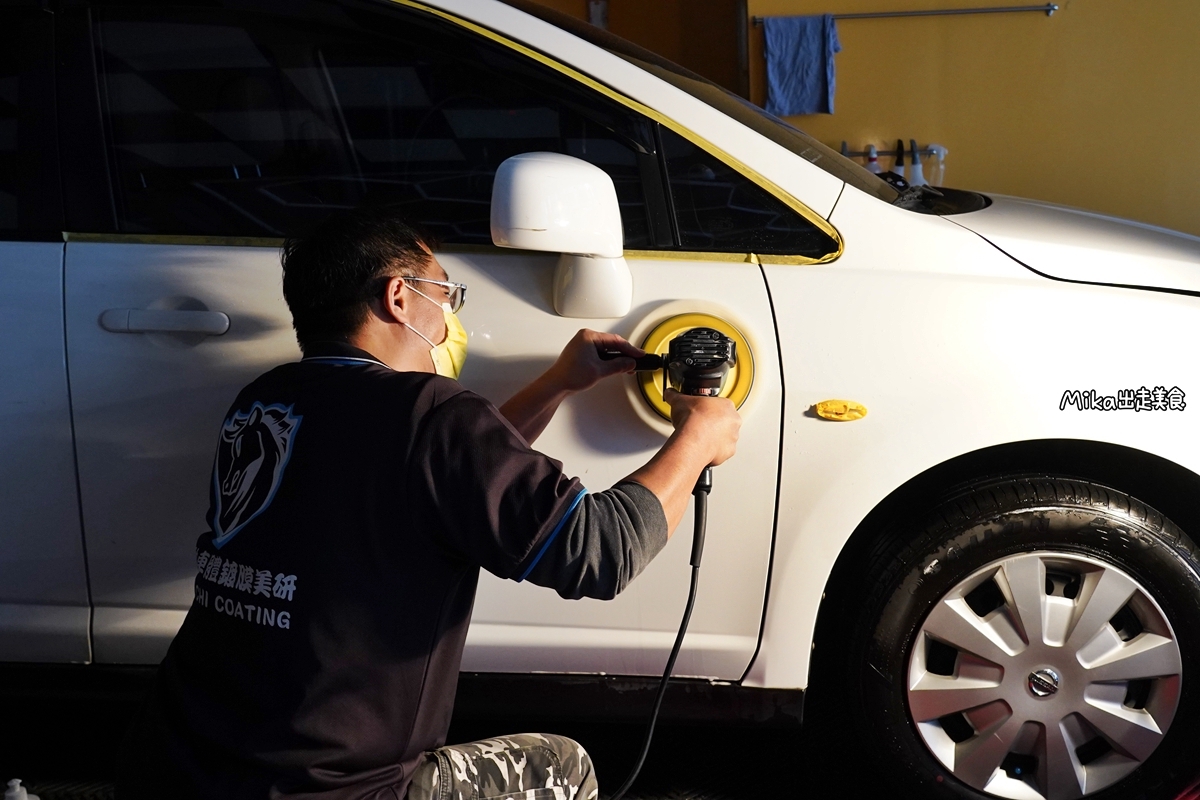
(1037, 638)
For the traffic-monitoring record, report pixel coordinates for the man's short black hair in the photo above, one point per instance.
(331, 274)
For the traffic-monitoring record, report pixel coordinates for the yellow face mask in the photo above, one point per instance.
(449, 356)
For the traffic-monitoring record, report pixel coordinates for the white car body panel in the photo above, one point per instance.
(815, 187)
(154, 404)
(950, 343)
(1077, 245)
(148, 408)
(43, 580)
(946, 365)
(132, 635)
(598, 435)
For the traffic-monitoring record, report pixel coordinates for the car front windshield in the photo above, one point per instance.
(722, 99)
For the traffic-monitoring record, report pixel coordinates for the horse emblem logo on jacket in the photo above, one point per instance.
(251, 456)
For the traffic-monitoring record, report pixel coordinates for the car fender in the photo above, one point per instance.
(952, 347)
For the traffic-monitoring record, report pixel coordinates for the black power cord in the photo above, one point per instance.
(700, 493)
(697, 363)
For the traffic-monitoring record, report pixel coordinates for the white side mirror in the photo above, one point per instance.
(559, 204)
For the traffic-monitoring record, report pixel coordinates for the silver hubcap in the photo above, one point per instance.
(1044, 675)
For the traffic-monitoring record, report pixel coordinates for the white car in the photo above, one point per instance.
(973, 560)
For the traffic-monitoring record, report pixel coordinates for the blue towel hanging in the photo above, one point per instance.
(800, 72)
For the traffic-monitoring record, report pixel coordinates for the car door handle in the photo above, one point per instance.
(143, 320)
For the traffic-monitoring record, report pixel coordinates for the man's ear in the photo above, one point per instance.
(396, 300)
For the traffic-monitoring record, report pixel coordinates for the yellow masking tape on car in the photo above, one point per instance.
(840, 410)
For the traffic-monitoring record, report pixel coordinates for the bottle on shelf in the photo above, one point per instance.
(16, 791)
(916, 175)
(937, 170)
(873, 160)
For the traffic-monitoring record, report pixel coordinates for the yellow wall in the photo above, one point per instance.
(1097, 106)
(576, 8)
(654, 24)
(695, 33)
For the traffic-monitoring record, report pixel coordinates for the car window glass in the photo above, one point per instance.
(719, 209)
(231, 123)
(9, 74)
(21, 196)
(750, 115)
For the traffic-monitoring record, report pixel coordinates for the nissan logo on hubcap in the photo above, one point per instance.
(1044, 682)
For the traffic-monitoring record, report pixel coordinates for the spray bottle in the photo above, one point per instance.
(873, 160)
(916, 176)
(937, 175)
(898, 167)
(16, 791)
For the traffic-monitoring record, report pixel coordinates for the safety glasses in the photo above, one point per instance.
(456, 293)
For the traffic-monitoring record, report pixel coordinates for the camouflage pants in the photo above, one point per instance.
(526, 766)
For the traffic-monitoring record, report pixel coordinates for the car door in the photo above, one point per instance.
(226, 128)
(43, 579)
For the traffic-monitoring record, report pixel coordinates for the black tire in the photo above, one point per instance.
(916, 566)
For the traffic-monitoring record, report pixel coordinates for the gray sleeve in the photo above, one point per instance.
(604, 544)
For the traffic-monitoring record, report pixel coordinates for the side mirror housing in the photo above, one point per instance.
(555, 203)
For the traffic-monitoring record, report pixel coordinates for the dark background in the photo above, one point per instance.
(62, 729)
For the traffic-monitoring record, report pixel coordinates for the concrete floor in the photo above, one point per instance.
(64, 747)
(716, 764)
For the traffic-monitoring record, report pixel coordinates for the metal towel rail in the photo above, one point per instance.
(1048, 9)
(848, 153)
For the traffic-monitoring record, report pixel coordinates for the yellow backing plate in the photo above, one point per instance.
(737, 383)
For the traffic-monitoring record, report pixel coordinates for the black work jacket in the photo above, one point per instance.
(351, 509)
